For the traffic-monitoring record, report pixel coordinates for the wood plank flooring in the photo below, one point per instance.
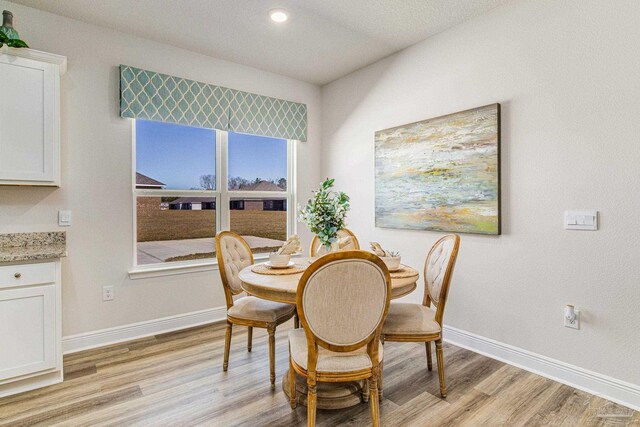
(177, 379)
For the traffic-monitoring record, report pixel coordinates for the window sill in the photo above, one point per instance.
(174, 268)
(170, 269)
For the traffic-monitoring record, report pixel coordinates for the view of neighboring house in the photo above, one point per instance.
(259, 204)
(262, 186)
(144, 182)
(193, 203)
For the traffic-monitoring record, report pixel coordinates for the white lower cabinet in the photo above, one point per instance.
(30, 326)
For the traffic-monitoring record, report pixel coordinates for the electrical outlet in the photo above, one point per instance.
(107, 293)
(576, 322)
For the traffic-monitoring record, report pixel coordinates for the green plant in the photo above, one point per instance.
(325, 213)
(11, 42)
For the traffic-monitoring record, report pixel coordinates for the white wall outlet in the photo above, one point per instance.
(575, 324)
(64, 218)
(107, 293)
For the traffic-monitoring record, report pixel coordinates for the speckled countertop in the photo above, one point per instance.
(16, 247)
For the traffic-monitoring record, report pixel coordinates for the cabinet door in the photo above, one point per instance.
(27, 121)
(27, 330)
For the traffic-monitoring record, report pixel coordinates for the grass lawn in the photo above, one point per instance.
(269, 224)
(157, 225)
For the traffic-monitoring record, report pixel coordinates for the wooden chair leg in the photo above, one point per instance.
(374, 402)
(380, 380)
(292, 385)
(296, 321)
(272, 355)
(439, 356)
(365, 391)
(311, 403)
(227, 346)
(381, 371)
(249, 338)
(427, 346)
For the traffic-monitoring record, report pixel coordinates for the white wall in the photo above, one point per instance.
(567, 74)
(96, 169)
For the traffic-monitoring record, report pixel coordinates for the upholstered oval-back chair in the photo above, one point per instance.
(233, 255)
(346, 238)
(419, 322)
(342, 301)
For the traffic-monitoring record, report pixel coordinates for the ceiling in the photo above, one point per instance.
(322, 41)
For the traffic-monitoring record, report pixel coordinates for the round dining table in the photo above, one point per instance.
(282, 288)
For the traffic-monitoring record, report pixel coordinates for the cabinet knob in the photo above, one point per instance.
(17, 275)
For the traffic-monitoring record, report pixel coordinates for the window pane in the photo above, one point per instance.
(175, 228)
(257, 163)
(261, 222)
(174, 156)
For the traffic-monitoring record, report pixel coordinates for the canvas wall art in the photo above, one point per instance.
(441, 174)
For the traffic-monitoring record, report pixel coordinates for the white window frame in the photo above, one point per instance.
(223, 212)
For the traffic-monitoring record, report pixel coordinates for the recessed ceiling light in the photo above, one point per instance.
(278, 15)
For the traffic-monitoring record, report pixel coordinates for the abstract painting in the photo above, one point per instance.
(441, 174)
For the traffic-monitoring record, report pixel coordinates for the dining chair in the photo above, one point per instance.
(419, 322)
(342, 300)
(233, 255)
(344, 233)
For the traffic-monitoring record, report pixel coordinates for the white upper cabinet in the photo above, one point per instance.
(30, 117)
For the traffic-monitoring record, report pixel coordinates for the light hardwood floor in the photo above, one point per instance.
(177, 379)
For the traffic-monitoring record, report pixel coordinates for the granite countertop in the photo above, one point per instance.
(32, 246)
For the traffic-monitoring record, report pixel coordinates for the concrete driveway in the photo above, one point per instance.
(160, 251)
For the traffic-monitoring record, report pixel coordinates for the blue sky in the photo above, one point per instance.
(253, 156)
(178, 155)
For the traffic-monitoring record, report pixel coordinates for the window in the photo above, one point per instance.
(237, 205)
(275, 205)
(263, 227)
(181, 202)
(257, 163)
(175, 157)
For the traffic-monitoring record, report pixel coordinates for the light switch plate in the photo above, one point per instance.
(64, 218)
(581, 220)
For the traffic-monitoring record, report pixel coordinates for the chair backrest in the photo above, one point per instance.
(342, 301)
(345, 232)
(438, 269)
(233, 255)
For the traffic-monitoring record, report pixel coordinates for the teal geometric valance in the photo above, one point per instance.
(160, 97)
(262, 115)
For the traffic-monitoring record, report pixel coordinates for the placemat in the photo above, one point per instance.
(403, 273)
(263, 269)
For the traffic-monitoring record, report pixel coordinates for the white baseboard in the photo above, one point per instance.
(103, 337)
(31, 383)
(618, 391)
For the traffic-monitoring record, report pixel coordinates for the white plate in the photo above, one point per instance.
(289, 265)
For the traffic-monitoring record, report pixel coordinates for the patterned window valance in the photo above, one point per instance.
(262, 115)
(160, 97)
